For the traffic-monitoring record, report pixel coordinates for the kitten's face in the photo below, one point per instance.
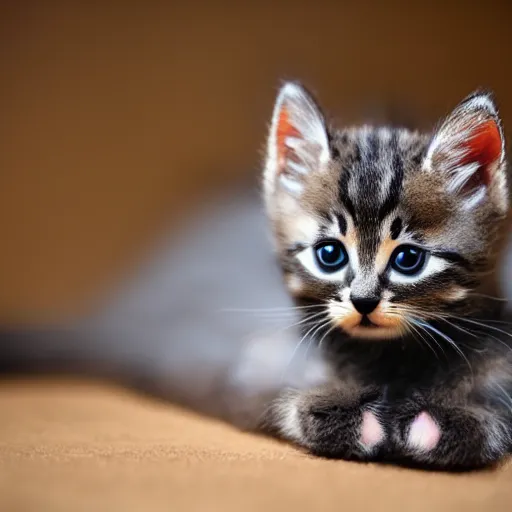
(385, 228)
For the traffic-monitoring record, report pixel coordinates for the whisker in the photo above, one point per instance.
(444, 318)
(462, 319)
(333, 326)
(289, 309)
(305, 321)
(315, 326)
(485, 296)
(487, 334)
(414, 330)
(508, 401)
(314, 334)
(432, 337)
(426, 325)
(501, 322)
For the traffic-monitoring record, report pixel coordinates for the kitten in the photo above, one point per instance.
(384, 237)
(373, 346)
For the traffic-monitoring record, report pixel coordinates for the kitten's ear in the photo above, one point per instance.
(469, 147)
(298, 142)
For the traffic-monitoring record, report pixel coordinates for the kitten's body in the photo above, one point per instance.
(439, 396)
(391, 232)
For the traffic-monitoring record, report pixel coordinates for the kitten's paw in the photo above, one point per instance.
(454, 438)
(331, 425)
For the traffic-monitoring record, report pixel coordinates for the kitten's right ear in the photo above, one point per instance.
(469, 150)
(298, 143)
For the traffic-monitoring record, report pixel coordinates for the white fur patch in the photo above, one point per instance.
(289, 423)
(303, 228)
(424, 433)
(340, 309)
(482, 101)
(294, 283)
(457, 293)
(296, 168)
(461, 175)
(474, 199)
(497, 436)
(353, 256)
(372, 433)
(291, 185)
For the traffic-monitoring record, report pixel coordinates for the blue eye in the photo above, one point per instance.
(408, 260)
(331, 256)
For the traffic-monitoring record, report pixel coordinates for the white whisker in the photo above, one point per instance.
(426, 325)
(315, 326)
(333, 326)
(413, 330)
(462, 319)
(270, 310)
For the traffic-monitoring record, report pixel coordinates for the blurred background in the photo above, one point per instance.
(118, 118)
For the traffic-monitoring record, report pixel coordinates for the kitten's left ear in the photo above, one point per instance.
(298, 142)
(469, 147)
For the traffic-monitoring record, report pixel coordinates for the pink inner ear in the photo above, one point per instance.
(484, 148)
(284, 129)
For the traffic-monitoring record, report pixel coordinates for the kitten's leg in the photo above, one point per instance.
(338, 421)
(468, 433)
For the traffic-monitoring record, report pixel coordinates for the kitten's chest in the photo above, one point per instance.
(397, 369)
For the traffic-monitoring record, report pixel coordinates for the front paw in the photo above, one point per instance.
(441, 438)
(331, 424)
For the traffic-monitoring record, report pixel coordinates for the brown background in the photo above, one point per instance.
(117, 117)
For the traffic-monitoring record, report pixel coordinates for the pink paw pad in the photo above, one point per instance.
(372, 432)
(424, 433)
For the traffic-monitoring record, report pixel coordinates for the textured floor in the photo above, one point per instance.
(78, 446)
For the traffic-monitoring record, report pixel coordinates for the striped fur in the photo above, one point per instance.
(378, 190)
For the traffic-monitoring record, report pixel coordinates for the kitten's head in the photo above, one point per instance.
(385, 227)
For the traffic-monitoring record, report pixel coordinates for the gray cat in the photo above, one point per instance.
(362, 325)
(206, 321)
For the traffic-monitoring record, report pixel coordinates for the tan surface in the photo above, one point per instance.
(71, 446)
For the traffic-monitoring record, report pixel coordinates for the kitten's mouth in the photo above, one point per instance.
(366, 322)
(369, 328)
(376, 325)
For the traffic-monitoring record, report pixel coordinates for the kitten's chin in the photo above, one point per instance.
(374, 332)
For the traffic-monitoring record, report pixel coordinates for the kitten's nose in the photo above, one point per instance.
(365, 305)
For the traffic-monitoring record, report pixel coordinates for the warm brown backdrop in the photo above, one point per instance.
(115, 117)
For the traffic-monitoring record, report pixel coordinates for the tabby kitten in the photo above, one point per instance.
(384, 236)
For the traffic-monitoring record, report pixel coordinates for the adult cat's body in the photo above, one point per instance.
(205, 321)
(384, 237)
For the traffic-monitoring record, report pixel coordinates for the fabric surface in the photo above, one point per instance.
(69, 445)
